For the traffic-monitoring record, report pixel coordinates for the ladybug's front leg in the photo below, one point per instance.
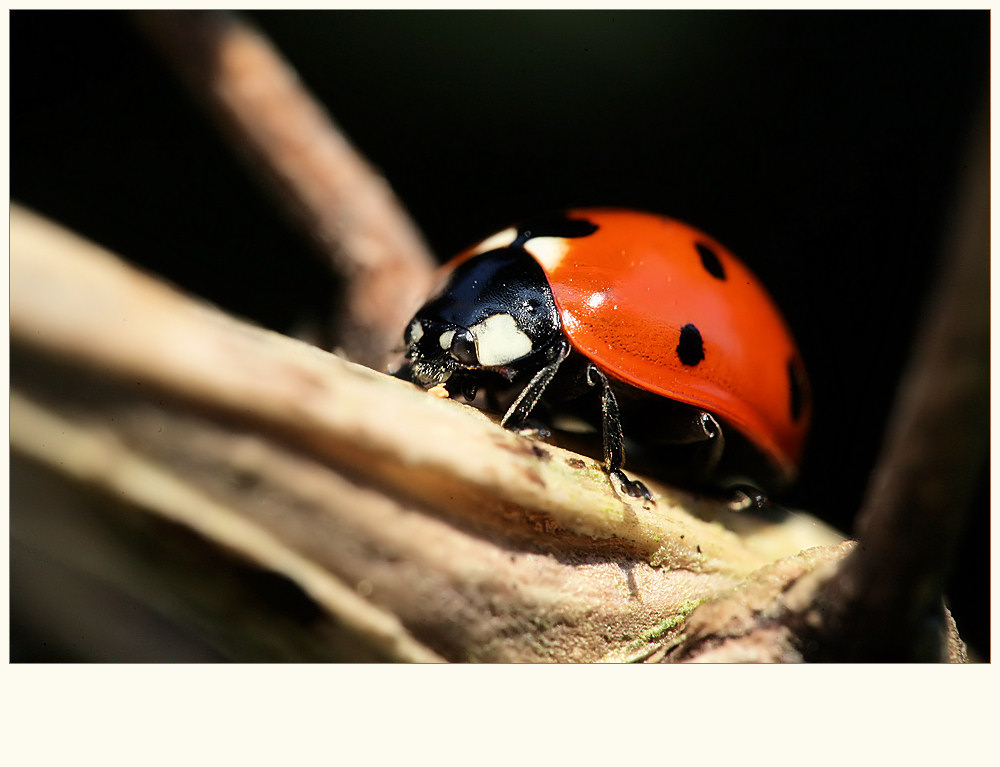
(518, 412)
(614, 442)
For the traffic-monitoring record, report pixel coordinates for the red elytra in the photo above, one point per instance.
(626, 292)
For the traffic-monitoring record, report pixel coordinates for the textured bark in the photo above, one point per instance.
(417, 528)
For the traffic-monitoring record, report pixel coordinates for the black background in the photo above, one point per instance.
(823, 147)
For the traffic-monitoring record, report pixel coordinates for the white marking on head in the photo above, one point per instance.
(595, 300)
(498, 240)
(416, 331)
(548, 251)
(445, 339)
(499, 340)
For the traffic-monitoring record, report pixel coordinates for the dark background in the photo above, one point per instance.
(823, 147)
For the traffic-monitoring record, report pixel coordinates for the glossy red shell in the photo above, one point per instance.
(624, 294)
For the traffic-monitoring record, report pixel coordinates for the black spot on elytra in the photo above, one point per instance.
(710, 261)
(558, 225)
(690, 349)
(797, 388)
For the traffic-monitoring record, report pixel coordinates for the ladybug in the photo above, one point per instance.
(635, 324)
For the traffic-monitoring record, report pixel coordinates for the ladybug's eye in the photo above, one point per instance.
(463, 347)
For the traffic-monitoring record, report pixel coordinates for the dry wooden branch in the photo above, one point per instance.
(419, 528)
(344, 205)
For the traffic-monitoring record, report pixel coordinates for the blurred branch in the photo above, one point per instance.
(882, 600)
(916, 507)
(345, 206)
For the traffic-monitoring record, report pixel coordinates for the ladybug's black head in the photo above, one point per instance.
(495, 313)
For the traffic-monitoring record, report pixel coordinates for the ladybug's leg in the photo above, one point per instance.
(740, 496)
(747, 497)
(521, 408)
(614, 441)
(708, 429)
